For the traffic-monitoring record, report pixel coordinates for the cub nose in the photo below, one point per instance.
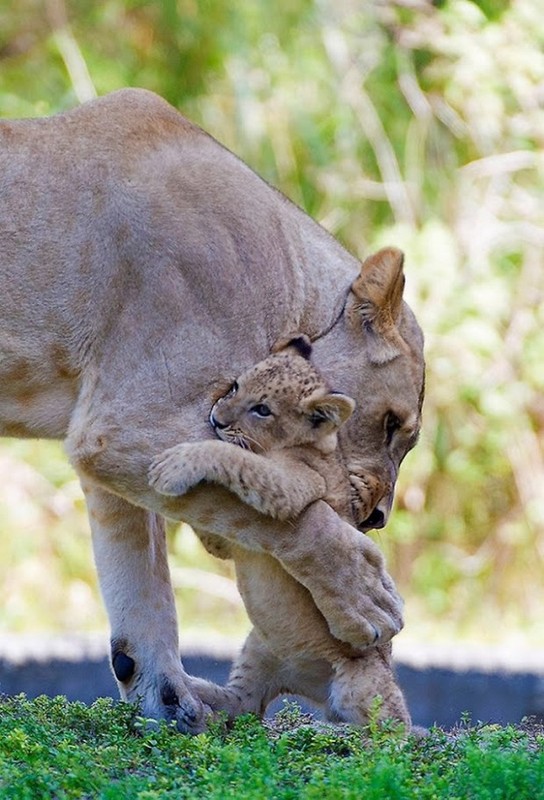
(215, 423)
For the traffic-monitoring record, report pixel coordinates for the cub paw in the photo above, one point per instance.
(172, 473)
(270, 504)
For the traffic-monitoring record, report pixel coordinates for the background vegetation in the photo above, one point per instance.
(408, 122)
(53, 749)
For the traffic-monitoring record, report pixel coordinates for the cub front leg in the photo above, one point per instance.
(184, 466)
(272, 487)
(130, 553)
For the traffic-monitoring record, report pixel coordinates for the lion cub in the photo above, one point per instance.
(283, 420)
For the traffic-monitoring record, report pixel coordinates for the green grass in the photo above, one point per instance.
(50, 748)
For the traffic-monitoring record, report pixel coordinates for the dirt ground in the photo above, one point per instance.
(291, 719)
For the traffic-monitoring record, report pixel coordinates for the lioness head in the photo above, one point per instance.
(281, 402)
(375, 353)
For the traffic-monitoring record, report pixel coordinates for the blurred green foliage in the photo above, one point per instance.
(412, 123)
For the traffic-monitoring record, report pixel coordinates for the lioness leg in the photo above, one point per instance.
(130, 552)
(322, 552)
(356, 684)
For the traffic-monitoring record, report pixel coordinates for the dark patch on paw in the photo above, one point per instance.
(190, 713)
(169, 695)
(123, 665)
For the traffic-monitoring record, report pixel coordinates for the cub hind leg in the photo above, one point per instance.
(357, 682)
(253, 683)
(258, 677)
(346, 691)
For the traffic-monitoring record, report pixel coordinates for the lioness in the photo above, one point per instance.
(286, 419)
(143, 267)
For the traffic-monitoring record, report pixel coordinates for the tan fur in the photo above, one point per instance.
(143, 267)
(290, 459)
(298, 437)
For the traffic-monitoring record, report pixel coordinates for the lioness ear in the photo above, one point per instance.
(378, 302)
(301, 344)
(330, 410)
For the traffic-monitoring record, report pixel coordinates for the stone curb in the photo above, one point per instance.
(441, 683)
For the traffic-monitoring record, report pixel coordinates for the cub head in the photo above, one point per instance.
(281, 402)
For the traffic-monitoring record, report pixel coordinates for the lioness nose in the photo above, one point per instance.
(375, 520)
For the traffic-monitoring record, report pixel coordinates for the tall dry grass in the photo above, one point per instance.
(410, 123)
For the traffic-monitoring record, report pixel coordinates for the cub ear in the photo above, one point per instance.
(300, 343)
(329, 411)
(378, 303)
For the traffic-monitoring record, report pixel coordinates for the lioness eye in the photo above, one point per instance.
(261, 410)
(391, 423)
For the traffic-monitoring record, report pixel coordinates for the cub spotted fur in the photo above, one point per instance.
(284, 420)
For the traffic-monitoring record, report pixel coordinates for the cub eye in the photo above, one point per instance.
(391, 424)
(261, 410)
(233, 389)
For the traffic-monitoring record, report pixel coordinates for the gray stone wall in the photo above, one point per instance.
(441, 684)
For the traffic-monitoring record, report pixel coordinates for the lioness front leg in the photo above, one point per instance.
(334, 561)
(359, 682)
(342, 568)
(269, 487)
(130, 552)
